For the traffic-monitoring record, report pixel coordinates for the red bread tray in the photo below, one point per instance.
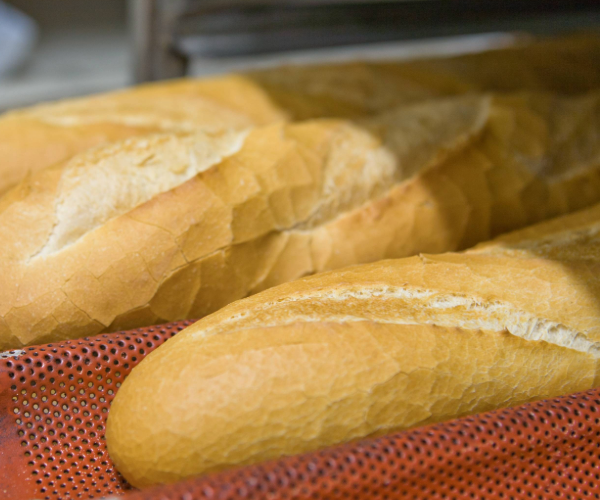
(54, 400)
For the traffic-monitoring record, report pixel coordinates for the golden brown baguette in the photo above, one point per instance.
(177, 225)
(365, 351)
(35, 138)
(565, 65)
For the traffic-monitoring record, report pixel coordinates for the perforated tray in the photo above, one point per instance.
(54, 400)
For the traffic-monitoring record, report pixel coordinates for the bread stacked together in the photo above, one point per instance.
(172, 201)
(198, 193)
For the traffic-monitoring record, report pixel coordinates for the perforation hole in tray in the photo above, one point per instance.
(61, 396)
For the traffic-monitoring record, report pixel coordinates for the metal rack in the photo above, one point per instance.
(167, 34)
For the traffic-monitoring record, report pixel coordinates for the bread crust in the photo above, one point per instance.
(564, 65)
(38, 137)
(367, 350)
(41, 136)
(177, 225)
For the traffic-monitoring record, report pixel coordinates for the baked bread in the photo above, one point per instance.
(177, 225)
(38, 137)
(366, 351)
(565, 65)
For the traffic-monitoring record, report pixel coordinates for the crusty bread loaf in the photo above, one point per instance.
(37, 137)
(566, 65)
(177, 225)
(367, 350)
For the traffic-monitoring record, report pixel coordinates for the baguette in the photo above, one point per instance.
(38, 137)
(565, 65)
(365, 351)
(177, 225)
(34, 138)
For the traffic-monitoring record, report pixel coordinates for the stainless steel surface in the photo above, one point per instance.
(152, 24)
(168, 34)
(83, 48)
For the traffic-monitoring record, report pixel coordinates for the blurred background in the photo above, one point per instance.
(53, 49)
